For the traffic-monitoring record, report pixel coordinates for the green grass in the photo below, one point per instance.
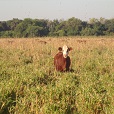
(29, 83)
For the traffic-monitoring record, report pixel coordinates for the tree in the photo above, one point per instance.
(13, 23)
(102, 20)
(33, 31)
(7, 34)
(93, 21)
(3, 26)
(20, 30)
(109, 26)
(52, 25)
(73, 26)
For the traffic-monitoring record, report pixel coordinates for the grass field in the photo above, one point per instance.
(29, 83)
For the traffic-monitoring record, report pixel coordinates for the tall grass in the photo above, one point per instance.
(30, 84)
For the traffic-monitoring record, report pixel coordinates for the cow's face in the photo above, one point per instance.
(65, 50)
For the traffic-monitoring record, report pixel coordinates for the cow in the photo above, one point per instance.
(62, 60)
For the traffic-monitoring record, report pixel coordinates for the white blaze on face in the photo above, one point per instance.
(65, 51)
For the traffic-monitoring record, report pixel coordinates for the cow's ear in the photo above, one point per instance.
(70, 48)
(60, 48)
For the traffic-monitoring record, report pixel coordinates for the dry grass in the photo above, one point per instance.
(29, 83)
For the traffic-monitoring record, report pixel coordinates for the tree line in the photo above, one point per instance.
(43, 27)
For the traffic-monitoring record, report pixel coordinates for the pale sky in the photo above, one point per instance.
(56, 9)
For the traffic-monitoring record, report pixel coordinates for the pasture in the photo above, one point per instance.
(29, 83)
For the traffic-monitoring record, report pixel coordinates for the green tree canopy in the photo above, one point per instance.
(42, 27)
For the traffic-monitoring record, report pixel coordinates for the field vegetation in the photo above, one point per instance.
(29, 83)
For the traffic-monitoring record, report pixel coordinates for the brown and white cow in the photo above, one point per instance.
(62, 60)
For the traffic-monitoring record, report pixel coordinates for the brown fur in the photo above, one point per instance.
(61, 63)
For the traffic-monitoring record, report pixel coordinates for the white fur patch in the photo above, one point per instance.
(65, 51)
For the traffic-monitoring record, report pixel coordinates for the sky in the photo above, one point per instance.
(56, 9)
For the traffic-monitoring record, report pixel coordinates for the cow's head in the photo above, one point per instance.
(65, 50)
